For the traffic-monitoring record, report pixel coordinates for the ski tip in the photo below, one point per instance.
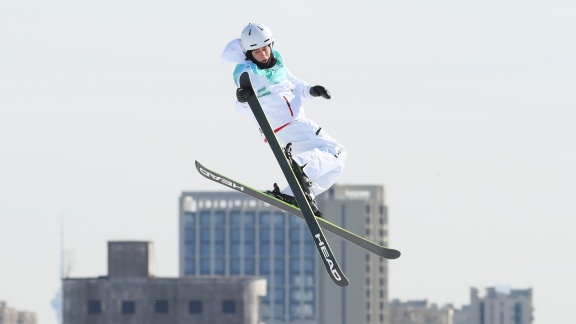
(245, 80)
(343, 282)
(395, 254)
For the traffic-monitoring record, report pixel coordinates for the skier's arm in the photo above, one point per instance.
(303, 89)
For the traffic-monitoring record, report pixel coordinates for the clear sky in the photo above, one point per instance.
(464, 110)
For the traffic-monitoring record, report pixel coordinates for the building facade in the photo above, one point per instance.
(9, 315)
(360, 209)
(461, 315)
(419, 312)
(501, 306)
(231, 234)
(130, 294)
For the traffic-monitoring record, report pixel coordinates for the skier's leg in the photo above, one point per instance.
(303, 180)
(316, 155)
(327, 172)
(322, 166)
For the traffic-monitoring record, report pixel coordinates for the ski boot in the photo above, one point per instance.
(303, 180)
(284, 197)
(292, 200)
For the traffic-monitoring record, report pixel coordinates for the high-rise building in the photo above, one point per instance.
(132, 294)
(501, 306)
(360, 209)
(229, 233)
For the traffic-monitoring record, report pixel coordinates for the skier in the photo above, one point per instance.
(316, 158)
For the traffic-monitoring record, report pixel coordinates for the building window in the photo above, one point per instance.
(219, 267)
(195, 307)
(309, 265)
(205, 218)
(235, 266)
(249, 218)
(229, 307)
(205, 266)
(235, 218)
(309, 247)
(294, 248)
(249, 266)
(264, 266)
(279, 266)
(161, 306)
(94, 307)
(220, 217)
(190, 266)
(128, 307)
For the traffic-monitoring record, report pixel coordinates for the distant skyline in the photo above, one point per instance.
(464, 110)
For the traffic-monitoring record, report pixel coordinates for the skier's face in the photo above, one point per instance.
(262, 54)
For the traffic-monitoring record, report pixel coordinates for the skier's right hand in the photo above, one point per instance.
(242, 94)
(320, 91)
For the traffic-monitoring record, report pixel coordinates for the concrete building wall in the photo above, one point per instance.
(175, 295)
(130, 259)
(129, 296)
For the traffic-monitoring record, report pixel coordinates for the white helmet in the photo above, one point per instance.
(256, 35)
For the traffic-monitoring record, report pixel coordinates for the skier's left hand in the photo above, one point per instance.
(318, 90)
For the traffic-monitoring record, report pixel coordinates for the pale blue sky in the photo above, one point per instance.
(464, 110)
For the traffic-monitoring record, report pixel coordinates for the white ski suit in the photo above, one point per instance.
(280, 94)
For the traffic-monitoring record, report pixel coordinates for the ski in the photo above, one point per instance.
(360, 241)
(328, 257)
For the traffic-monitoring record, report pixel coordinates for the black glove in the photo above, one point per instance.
(317, 91)
(242, 94)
